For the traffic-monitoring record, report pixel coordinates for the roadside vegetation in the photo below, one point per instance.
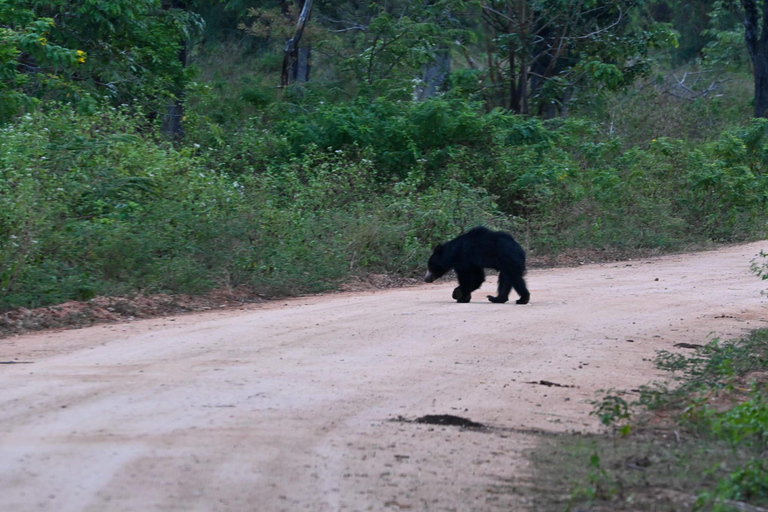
(697, 441)
(151, 147)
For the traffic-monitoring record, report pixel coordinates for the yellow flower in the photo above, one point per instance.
(81, 60)
(654, 140)
(80, 53)
(43, 41)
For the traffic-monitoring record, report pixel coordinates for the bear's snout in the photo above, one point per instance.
(429, 277)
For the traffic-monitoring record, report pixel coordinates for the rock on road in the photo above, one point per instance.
(290, 406)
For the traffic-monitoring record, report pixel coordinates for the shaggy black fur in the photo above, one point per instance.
(475, 250)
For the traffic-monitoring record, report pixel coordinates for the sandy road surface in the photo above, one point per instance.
(288, 407)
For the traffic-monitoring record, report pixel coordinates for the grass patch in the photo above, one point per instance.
(700, 445)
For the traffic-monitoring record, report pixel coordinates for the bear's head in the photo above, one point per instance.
(435, 266)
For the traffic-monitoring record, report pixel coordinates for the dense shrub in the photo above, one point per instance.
(90, 205)
(567, 183)
(94, 204)
(295, 199)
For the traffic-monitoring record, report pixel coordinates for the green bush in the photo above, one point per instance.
(97, 205)
(303, 194)
(91, 205)
(569, 185)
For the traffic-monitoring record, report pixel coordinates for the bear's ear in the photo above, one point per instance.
(438, 249)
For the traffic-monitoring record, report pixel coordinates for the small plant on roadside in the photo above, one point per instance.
(613, 411)
(747, 484)
(759, 266)
(716, 418)
(599, 484)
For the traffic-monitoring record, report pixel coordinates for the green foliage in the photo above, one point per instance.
(745, 423)
(716, 363)
(546, 54)
(118, 212)
(111, 213)
(566, 183)
(744, 427)
(598, 486)
(327, 189)
(749, 483)
(692, 104)
(761, 269)
(118, 50)
(382, 49)
(611, 410)
(725, 48)
(293, 189)
(29, 60)
(394, 46)
(714, 410)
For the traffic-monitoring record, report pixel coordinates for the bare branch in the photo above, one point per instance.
(498, 13)
(587, 36)
(348, 25)
(361, 28)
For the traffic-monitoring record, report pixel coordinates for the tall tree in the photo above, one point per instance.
(400, 48)
(545, 48)
(756, 38)
(291, 52)
(172, 120)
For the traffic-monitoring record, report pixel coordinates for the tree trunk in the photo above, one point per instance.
(566, 103)
(172, 120)
(291, 53)
(757, 46)
(761, 85)
(514, 96)
(490, 100)
(434, 75)
(761, 69)
(522, 86)
(174, 114)
(303, 65)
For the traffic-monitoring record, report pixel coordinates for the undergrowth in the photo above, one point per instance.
(700, 444)
(303, 194)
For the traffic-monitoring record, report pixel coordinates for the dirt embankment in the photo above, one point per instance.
(100, 310)
(327, 402)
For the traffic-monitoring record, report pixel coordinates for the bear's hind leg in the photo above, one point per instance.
(505, 285)
(518, 283)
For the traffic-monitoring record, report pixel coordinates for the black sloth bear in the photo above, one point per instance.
(470, 253)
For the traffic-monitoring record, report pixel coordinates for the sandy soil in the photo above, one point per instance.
(291, 406)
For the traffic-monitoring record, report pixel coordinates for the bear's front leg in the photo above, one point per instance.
(470, 279)
(459, 296)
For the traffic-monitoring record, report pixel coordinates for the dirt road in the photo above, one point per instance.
(290, 406)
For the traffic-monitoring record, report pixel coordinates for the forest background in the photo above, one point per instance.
(182, 146)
